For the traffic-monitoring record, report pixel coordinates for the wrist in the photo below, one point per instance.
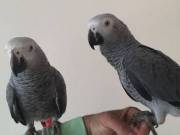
(87, 122)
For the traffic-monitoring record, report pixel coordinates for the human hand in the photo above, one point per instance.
(117, 122)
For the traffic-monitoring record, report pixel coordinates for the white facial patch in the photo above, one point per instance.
(92, 23)
(8, 49)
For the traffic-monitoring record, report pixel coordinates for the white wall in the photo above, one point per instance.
(60, 27)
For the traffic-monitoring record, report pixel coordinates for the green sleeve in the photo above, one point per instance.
(73, 127)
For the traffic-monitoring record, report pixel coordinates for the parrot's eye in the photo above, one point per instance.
(30, 48)
(107, 23)
(17, 52)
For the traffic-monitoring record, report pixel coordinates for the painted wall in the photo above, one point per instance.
(60, 28)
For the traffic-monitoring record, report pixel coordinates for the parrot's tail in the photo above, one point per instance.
(47, 123)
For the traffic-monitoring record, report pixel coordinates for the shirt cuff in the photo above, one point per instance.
(73, 127)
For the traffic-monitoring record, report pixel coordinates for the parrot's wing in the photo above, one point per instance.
(154, 74)
(60, 92)
(13, 104)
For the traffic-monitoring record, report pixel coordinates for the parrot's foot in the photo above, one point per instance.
(56, 127)
(31, 131)
(147, 117)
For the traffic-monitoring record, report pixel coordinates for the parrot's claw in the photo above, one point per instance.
(56, 127)
(31, 131)
(147, 117)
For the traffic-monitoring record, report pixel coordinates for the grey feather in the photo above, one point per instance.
(14, 106)
(147, 75)
(60, 90)
(157, 72)
(37, 92)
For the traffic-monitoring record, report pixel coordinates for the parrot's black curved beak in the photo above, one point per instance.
(18, 65)
(95, 39)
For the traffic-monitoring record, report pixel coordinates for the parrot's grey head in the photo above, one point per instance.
(25, 54)
(105, 29)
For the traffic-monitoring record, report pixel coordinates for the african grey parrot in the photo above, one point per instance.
(147, 75)
(36, 91)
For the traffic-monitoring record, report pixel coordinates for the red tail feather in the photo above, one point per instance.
(47, 123)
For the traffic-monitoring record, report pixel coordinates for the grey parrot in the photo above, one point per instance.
(36, 91)
(147, 75)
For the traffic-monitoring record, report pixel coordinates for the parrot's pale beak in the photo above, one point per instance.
(95, 39)
(18, 65)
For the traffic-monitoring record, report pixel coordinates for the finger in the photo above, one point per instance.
(123, 114)
(143, 129)
(129, 112)
(117, 125)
